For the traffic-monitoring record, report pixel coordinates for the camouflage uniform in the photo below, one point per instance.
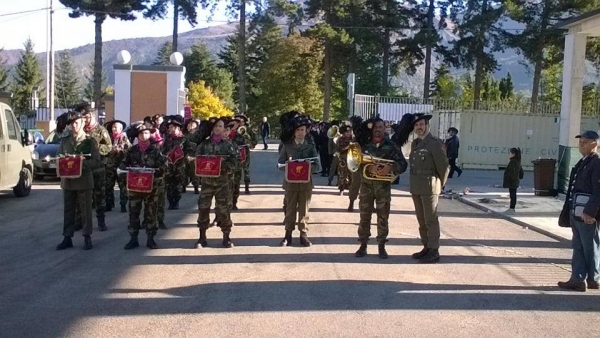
(113, 161)
(378, 191)
(217, 187)
(190, 165)
(238, 141)
(151, 158)
(100, 134)
(176, 175)
(308, 139)
(250, 138)
(344, 175)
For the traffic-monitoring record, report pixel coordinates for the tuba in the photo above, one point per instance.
(355, 158)
(334, 133)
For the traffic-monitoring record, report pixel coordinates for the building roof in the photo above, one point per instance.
(574, 21)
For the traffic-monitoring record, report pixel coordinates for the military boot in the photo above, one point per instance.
(175, 204)
(162, 225)
(351, 206)
(304, 240)
(196, 191)
(101, 224)
(432, 256)
(382, 253)
(87, 242)
(108, 208)
(362, 251)
(184, 190)
(65, 244)
(123, 208)
(170, 200)
(133, 242)
(234, 206)
(420, 254)
(247, 192)
(287, 239)
(150, 243)
(202, 243)
(227, 241)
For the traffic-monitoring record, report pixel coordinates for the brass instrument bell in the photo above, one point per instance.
(356, 158)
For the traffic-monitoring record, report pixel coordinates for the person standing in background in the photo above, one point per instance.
(265, 130)
(452, 144)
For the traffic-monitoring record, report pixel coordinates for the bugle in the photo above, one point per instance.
(356, 158)
(309, 159)
(136, 169)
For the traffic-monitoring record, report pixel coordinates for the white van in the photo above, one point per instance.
(16, 165)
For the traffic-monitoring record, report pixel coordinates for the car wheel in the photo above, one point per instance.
(23, 188)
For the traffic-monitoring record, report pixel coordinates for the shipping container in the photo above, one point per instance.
(486, 137)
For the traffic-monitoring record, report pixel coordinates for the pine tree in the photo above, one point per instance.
(444, 86)
(67, 90)
(4, 78)
(507, 88)
(28, 76)
(88, 91)
(200, 66)
(163, 58)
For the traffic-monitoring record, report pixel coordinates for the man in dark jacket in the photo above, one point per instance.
(452, 145)
(582, 204)
(265, 130)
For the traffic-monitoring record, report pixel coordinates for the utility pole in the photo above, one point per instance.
(50, 63)
(175, 25)
(242, 59)
(430, 37)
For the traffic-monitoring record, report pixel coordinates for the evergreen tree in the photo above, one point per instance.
(506, 88)
(479, 37)
(444, 85)
(491, 89)
(4, 79)
(67, 90)
(88, 91)
(200, 66)
(163, 58)
(27, 76)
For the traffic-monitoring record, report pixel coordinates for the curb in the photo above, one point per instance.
(514, 220)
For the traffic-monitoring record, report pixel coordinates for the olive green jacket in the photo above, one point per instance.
(68, 146)
(428, 166)
(299, 151)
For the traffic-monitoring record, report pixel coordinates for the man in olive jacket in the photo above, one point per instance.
(428, 174)
(78, 191)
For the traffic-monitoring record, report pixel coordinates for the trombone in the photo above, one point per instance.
(356, 158)
(309, 159)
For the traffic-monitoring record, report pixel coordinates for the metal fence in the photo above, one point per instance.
(392, 108)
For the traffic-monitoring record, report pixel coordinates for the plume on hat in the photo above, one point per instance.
(403, 129)
(286, 121)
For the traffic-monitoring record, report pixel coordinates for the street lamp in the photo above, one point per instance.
(35, 100)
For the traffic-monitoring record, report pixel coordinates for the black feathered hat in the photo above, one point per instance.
(285, 121)
(108, 125)
(345, 128)
(364, 132)
(453, 129)
(72, 116)
(61, 123)
(175, 119)
(142, 127)
(84, 108)
(241, 117)
(420, 116)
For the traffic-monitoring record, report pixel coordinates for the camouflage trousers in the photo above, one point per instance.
(222, 196)
(246, 166)
(355, 181)
(160, 199)
(379, 194)
(111, 179)
(98, 198)
(297, 204)
(175, 181)
(344, 175)
(237, 179)
(191, 172)
(76, 201)
(334, 167)
(148, 201)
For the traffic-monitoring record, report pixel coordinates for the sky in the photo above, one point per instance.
(70, 33)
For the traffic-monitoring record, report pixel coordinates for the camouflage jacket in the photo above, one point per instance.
(239, 141)
(100, 134)
(341, 146)
(151, 158)
(250, 137)
(69, 146)
(171, 142)
(117, 154)
(227, 150)
(385, 150)
(291, 150)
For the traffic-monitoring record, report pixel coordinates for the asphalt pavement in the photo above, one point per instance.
(495, 278)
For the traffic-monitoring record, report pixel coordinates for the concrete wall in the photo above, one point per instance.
(148, 95)
(486, 137)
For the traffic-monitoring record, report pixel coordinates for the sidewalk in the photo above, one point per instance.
(482, 189)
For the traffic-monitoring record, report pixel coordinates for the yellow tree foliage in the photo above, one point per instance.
(204, 102)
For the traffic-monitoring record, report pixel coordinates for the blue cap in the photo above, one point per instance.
(590, 135)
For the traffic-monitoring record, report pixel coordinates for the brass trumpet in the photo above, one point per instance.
(136, 169)
(310, 159)
(356, 158)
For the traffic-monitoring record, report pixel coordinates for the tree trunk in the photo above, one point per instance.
(97, 97)
(539, 61)
(327, 82)
(430, 31)
(479, 63)
(385, 73)
(242, 56)
(175, 24)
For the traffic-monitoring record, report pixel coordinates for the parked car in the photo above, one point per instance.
(44, 157)
(16, 166)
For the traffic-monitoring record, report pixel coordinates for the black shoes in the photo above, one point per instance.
(234, 207)
(65, 244)
(420, 254)
(351, 206)
(304, 240)
(196, 191)
(108, 208)
(227, 241)
(133, 243)
(432, 256)
(150, 243)
(202, 243)
(101, 224)
(123, 209)
(572, 285)
(382, 253)
(287, 240)
(247, 192)
(362, 251)
(87, 242)
(162, 225)
(593, 285)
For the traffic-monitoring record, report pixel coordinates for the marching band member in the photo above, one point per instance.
(217, 184)
(297, 195)
(341, 145)
(114, 158)
(375, 187)
(77, 190)
(355, 177)
(250, 138)
(191, 126)
(176, 148)
(239, 142)
(145, 154)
